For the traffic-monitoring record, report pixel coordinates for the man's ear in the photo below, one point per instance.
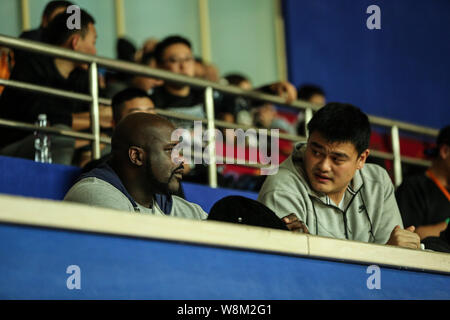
(362, 158)
(136, 156)
(74, 41)
(444, 151)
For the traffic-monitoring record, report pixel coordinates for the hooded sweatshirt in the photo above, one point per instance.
(368, 211)
(102, 187)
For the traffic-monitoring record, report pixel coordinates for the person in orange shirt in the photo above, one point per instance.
(424, 200)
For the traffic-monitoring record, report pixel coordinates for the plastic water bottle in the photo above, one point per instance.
(42, 142)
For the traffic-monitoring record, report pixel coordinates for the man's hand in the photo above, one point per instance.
(294, 224)
(285, 90)
(405, 238)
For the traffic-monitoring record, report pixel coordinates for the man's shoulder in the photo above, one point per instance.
(97, 192)
(92, 183)
(374, 173)
(34, 68)
(288, 179)
(34, 34)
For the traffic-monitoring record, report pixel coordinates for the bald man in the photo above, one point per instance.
(141, 175)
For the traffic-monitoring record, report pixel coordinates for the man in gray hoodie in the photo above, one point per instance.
(327, 184)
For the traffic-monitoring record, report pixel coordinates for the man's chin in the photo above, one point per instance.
(173, 187)
(320, 187)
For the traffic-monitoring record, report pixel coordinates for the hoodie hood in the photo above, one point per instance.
(106, 173)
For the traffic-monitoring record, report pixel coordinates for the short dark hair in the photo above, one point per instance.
(147, 58)
(306, 91)
(162, 45)
(53, 5)
(235, 79)
(340, 122)
(119, 99)
(57, 32)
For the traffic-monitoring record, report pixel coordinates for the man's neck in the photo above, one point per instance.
(64, 67)
(135, 186)
(337, 197)
(178, 91)
(440, 173)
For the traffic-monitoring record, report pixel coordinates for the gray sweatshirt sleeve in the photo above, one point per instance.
(390, 215)
(98, 193)
(284, 203)
(185, 209)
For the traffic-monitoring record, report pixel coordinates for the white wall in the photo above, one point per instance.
(242, 32)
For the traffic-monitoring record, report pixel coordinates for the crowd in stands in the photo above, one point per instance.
(323, 186)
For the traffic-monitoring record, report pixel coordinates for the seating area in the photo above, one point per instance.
(330, 131)
(51, 181)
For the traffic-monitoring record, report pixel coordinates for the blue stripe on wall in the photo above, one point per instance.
(35, 260)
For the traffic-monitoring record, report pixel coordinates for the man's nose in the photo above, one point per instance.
(179, 160)
(324, 164)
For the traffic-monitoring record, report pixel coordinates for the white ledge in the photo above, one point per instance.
(78, 217)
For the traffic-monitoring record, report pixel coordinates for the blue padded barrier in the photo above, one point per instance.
(206, 196)
(52, 181)
(38, 180)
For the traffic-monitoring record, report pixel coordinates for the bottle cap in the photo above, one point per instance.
(42, 116)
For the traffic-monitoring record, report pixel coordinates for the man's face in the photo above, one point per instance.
(140, 104)
(86, 44)
(161, 170)
(331, 166)
(178, 58)
(317, 99)
(246, 85)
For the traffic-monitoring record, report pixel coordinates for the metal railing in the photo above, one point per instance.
(141, 70)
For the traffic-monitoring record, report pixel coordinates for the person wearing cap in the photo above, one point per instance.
(424, 200)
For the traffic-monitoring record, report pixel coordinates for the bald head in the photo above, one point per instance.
(139, 129)
(142, 154)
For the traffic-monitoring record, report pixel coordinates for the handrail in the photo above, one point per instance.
(142, 70)
(138, 69)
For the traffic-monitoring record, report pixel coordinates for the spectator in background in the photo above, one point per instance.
(174, 54)
(253, 112)
(235, 109)
(127, 101)
(424, 199)
(313, 94)
(327, 184)
(206, 71)
(147, 83)
(51, 10)
(148, 47)
(55, 73)
(6, 64)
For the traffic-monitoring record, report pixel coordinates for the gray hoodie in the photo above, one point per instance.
(370, 210)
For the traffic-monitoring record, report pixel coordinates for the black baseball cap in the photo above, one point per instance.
(241, 210)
